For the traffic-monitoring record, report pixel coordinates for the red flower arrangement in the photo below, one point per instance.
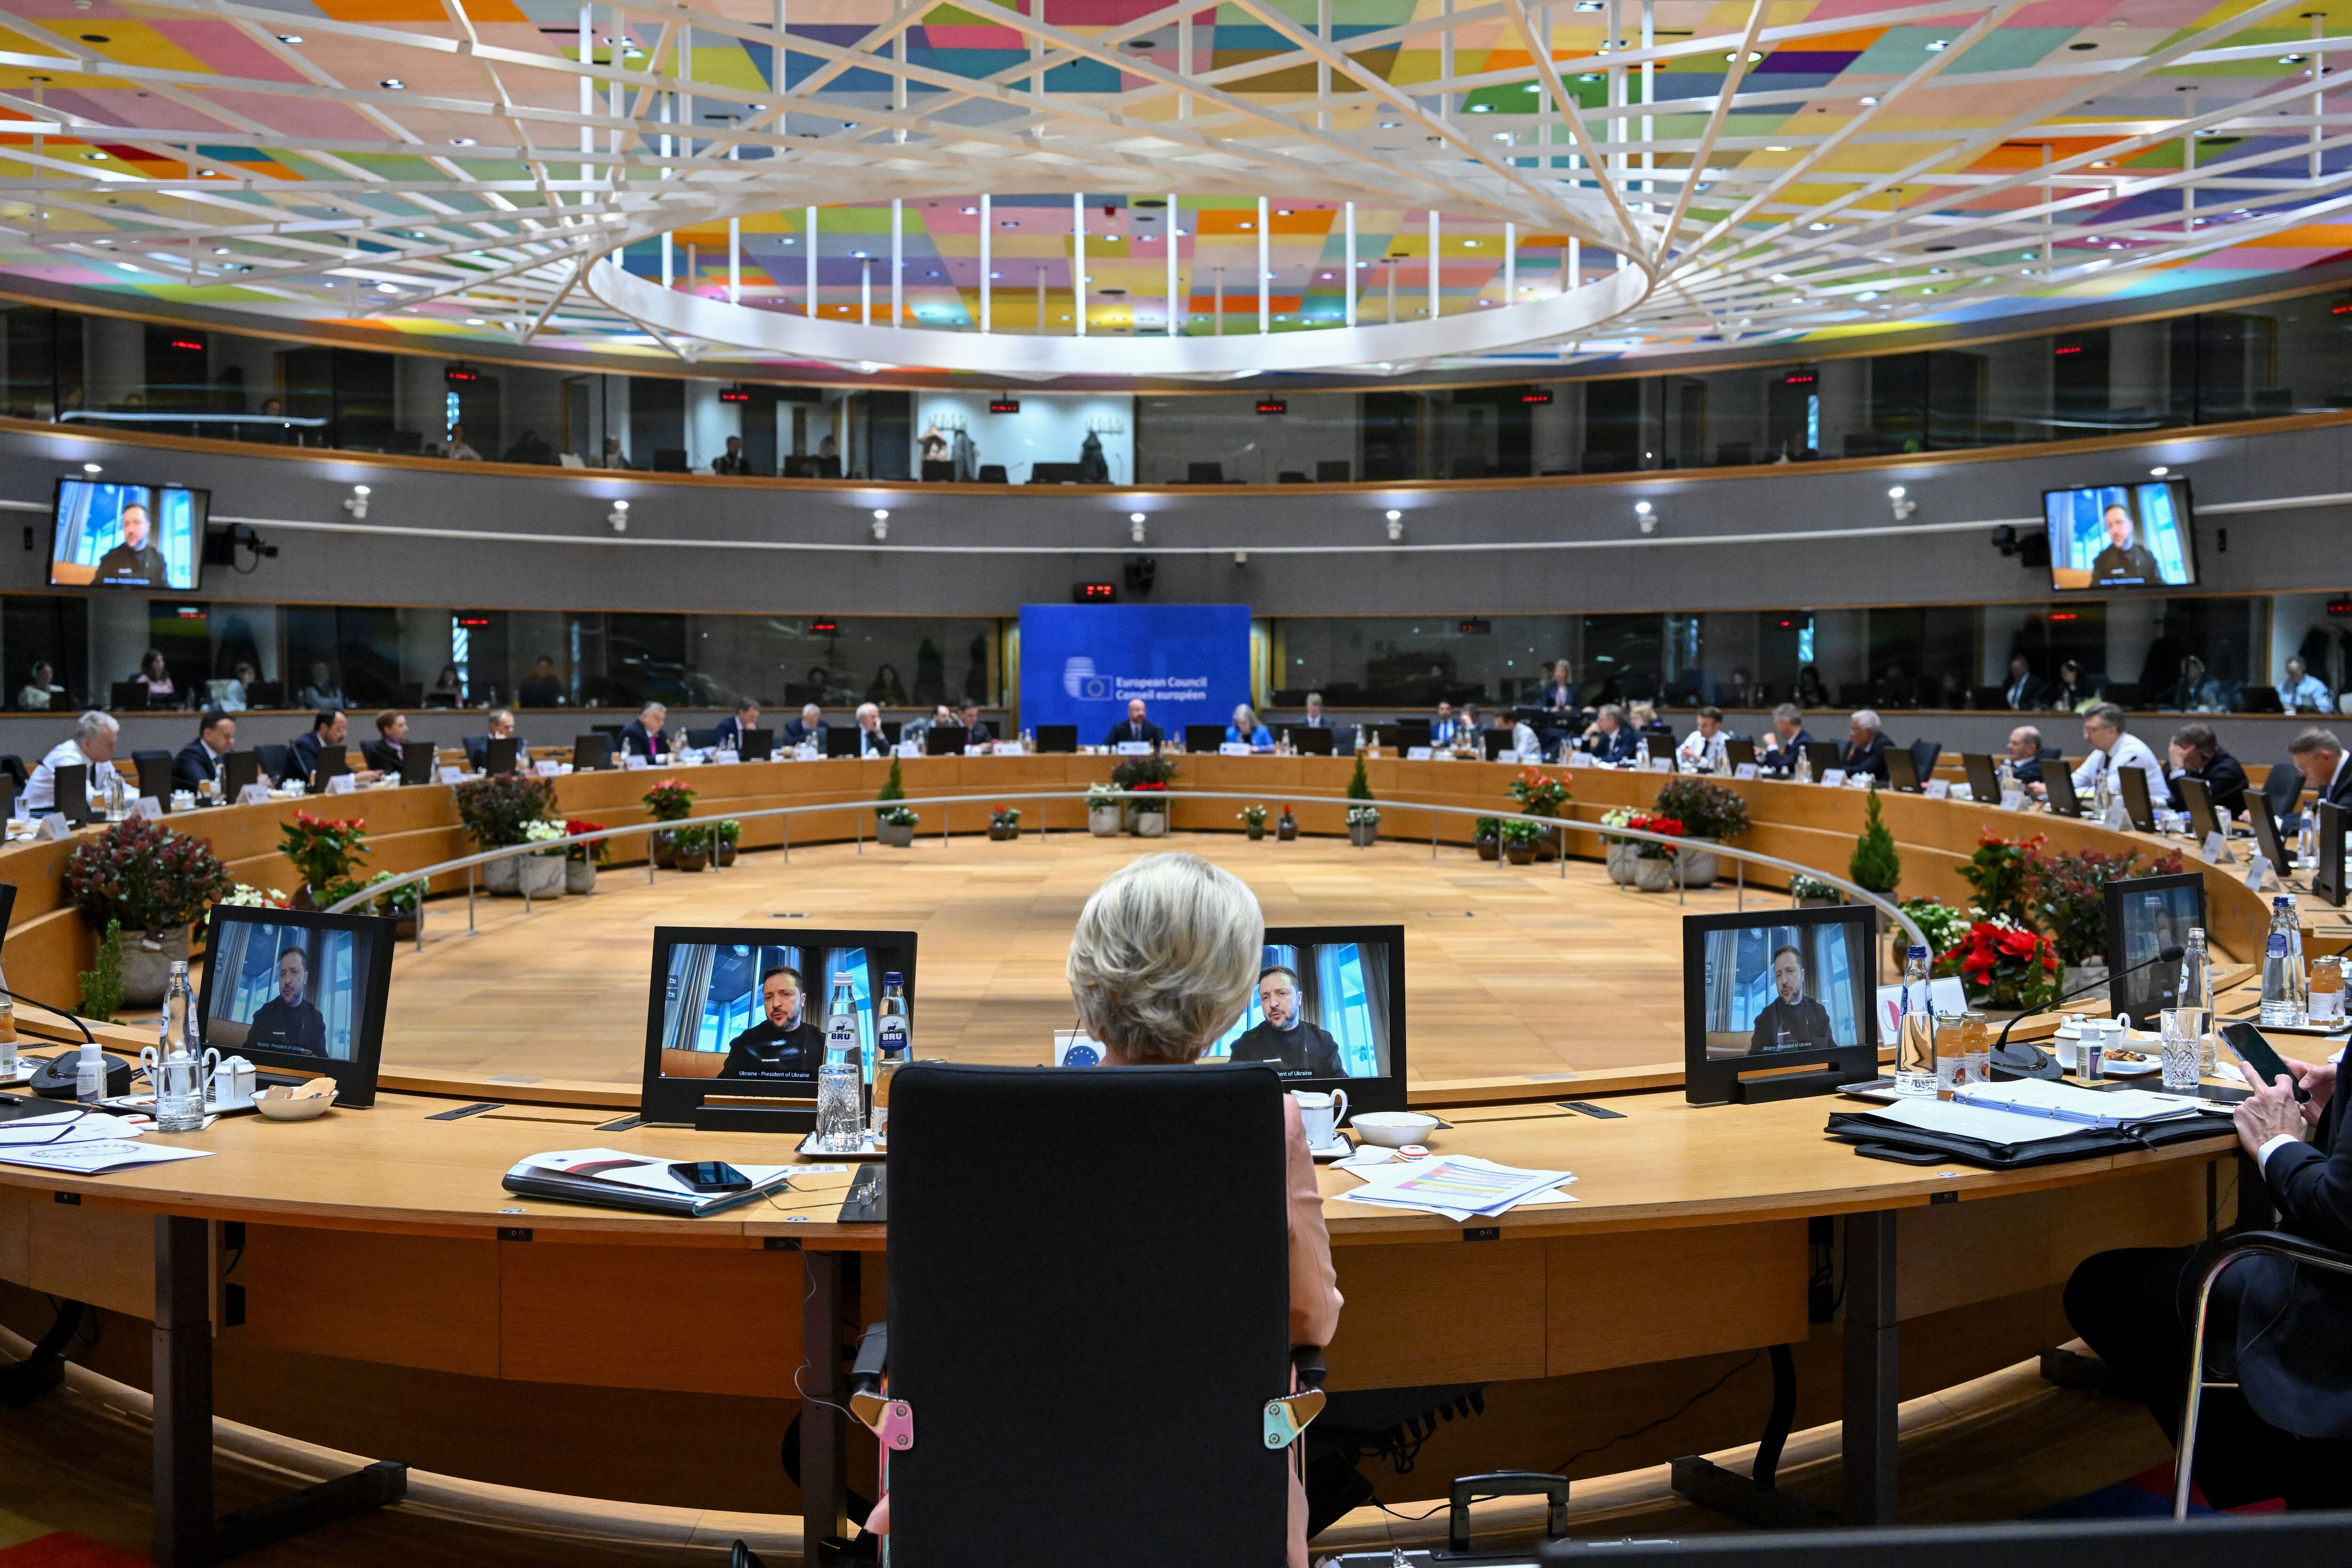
(2004, 965)
(1670, 827)
(601, 852)
(1148, 788)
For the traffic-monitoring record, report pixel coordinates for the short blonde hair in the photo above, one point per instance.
(1164, 957)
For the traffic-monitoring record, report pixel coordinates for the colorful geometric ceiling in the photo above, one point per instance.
(1770, 170)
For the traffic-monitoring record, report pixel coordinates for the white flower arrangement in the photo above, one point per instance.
(1363, 817)
(245, 896)
(543, 831)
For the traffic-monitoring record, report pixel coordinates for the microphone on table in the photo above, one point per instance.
(2026, 1060)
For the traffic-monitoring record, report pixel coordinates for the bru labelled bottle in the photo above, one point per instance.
(2283, 993)
(840, 1121)
(1915, 1049)
(892, 1037)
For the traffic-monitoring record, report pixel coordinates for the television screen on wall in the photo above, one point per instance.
(127, 536)
(2122, 536)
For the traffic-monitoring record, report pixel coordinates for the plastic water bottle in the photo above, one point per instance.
(1915, 1051)
(1641, 755)
(840, 1116)
(1804, 766)
(2194, 993)
(178, 1076)
(2283, 982)
(90, 1074)
(892, 1037)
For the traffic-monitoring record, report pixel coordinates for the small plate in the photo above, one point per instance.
(2111, 1068)
(1337, 1149)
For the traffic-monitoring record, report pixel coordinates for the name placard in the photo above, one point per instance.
(1834, 778)
(1234, 749)
(2258, 877)
(1937, 789)
(148, 806)
(1744, 771)
(257, 794)
(341, 783)
(1417, 754)
(1133, 749)
(2215, 851)
(2013, 800)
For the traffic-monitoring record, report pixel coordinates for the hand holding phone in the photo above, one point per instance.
(2257, 1054)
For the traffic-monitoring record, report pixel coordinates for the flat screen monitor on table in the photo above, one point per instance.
(1327, 1011)
(127, 536)
(2148, 917)
(759, 746)
(945, 740)
(1057, 738)
(1315, 742)
(299, 992)
(2104, 537)
(739, 1015)
(2327, 868)
(2197, 801)
(1824, 755)
(2137, 804)
(1739, 751)
(1204, 737)
(2059, 784)
(418, 758)
(1778, 1002)
(1984, 779)
(2267, 838)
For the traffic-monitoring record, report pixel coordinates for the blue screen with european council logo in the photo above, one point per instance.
(1080, 664)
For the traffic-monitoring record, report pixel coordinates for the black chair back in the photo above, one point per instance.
(702, 740)
(1087, 1359)
(154, 776)
(944, 741)
(590, 753)
(240, 769)
(276, 760)
(14, 766)
(1061, 739)
(757, 745)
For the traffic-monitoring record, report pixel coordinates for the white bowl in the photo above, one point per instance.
(302, 1110)
(1391, 1129)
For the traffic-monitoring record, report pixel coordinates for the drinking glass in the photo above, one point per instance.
(2183, 1034)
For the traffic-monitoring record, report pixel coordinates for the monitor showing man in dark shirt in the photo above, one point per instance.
(1791, 1021)
(2125, 561)
(291, 1021)
(1283, 1035)
(135, 563)
(784, 1043)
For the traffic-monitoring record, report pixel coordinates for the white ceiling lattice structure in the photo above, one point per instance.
(1404, 182)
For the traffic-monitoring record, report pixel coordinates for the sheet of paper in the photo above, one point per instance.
(648, 1172)
(1974, 1122)
(2085, 1106)
(95, 1157)
(61, 1127)
(1456, 1186)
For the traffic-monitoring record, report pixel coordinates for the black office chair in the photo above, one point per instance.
(669, 460)
(14, 766)
(1924, 754)
(702, 740)
(2247, 1243)
(2283, 787)
(1205, 473)
(1069, 1421)
(276, 760)
(1291, 477)
(992, 474)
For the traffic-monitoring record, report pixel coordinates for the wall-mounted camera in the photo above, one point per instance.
(2028, 548)
(223, 545)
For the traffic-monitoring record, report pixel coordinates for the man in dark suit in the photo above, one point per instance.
(1135, 727)
(1791, 1021)
(2025, 756)
(872, 741)
(289, 1021)
(328, 732)
(199, 762)
(1610, 738)
(1316, 718)
(728, 734)
(386, 751)
(2319, 757)
(2285, 1331)
(976, 731)
(642, 737)
(784, 1043)
(501, 727)
(1284, 1039)
(2197, 754)
(2024, 692)
(1865, 746)
(808, 729)
(1779, 749)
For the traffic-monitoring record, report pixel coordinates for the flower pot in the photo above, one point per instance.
(1817, 903)
(897, 835)
(1519, 853)
(502, 878)
(1256, 830)
(580, 877)
(1700, 865)
(1488, 849)
(1103, 821)
(693, 859)
(722, 853)
(1363, 834)
(1285, 829)
(1653, 876)
(1621, 860)
(147, 965)
(1152, 824)
(302, 899)
(999, 831)
(664, 853)
(404, 928)
(1550, 844)
(541, 876)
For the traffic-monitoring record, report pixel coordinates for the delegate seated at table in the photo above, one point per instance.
(1791, 1021)
(784, 1043)
(1134, 727)
(1293, 1045)
(289, 1021)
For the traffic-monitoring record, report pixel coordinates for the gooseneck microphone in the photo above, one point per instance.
(2026, 1060)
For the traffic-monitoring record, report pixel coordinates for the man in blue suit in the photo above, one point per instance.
(199, 762)
(1610, 738)
(643, 736)
(1780, 750)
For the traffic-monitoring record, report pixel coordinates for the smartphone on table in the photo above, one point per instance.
(709, 1176)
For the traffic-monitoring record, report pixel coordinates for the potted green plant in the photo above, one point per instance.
(1103, 810)
(1620, 854)
(1363, 826)
(1253, 820)
(894, 824)
(1812, 893)
(153, 881)
(725, 837)
(691, 847)
(1004, 822)
(1653, 863)
(1542, 795)
(580, 862)
(1875, 866)
(400, 903)
(1943, 926)
(1517, 839)
(498, 811)
(102, 983)
(1712, 813)
(1487, 833)
(324, 849)
(667, 801)
(1286, 827)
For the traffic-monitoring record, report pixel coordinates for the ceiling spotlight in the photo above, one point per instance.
(92, 468)
(476, 321)
(1936, 46)
(1135, 526)
(1870, 102)
(2158, 471)
(392, 84)
(881, 523)
(1904, 506)
(290, 37)
(461, 142)
(619, 516)
(387, 287)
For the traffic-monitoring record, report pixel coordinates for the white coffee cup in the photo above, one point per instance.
(1321, 1112)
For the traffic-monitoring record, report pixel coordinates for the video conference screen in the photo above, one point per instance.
(1320, 1010)
(127, 536)
(1773, 988)
(2152, 914)
(756, 1011)
(286, 987)
(2122, 536)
